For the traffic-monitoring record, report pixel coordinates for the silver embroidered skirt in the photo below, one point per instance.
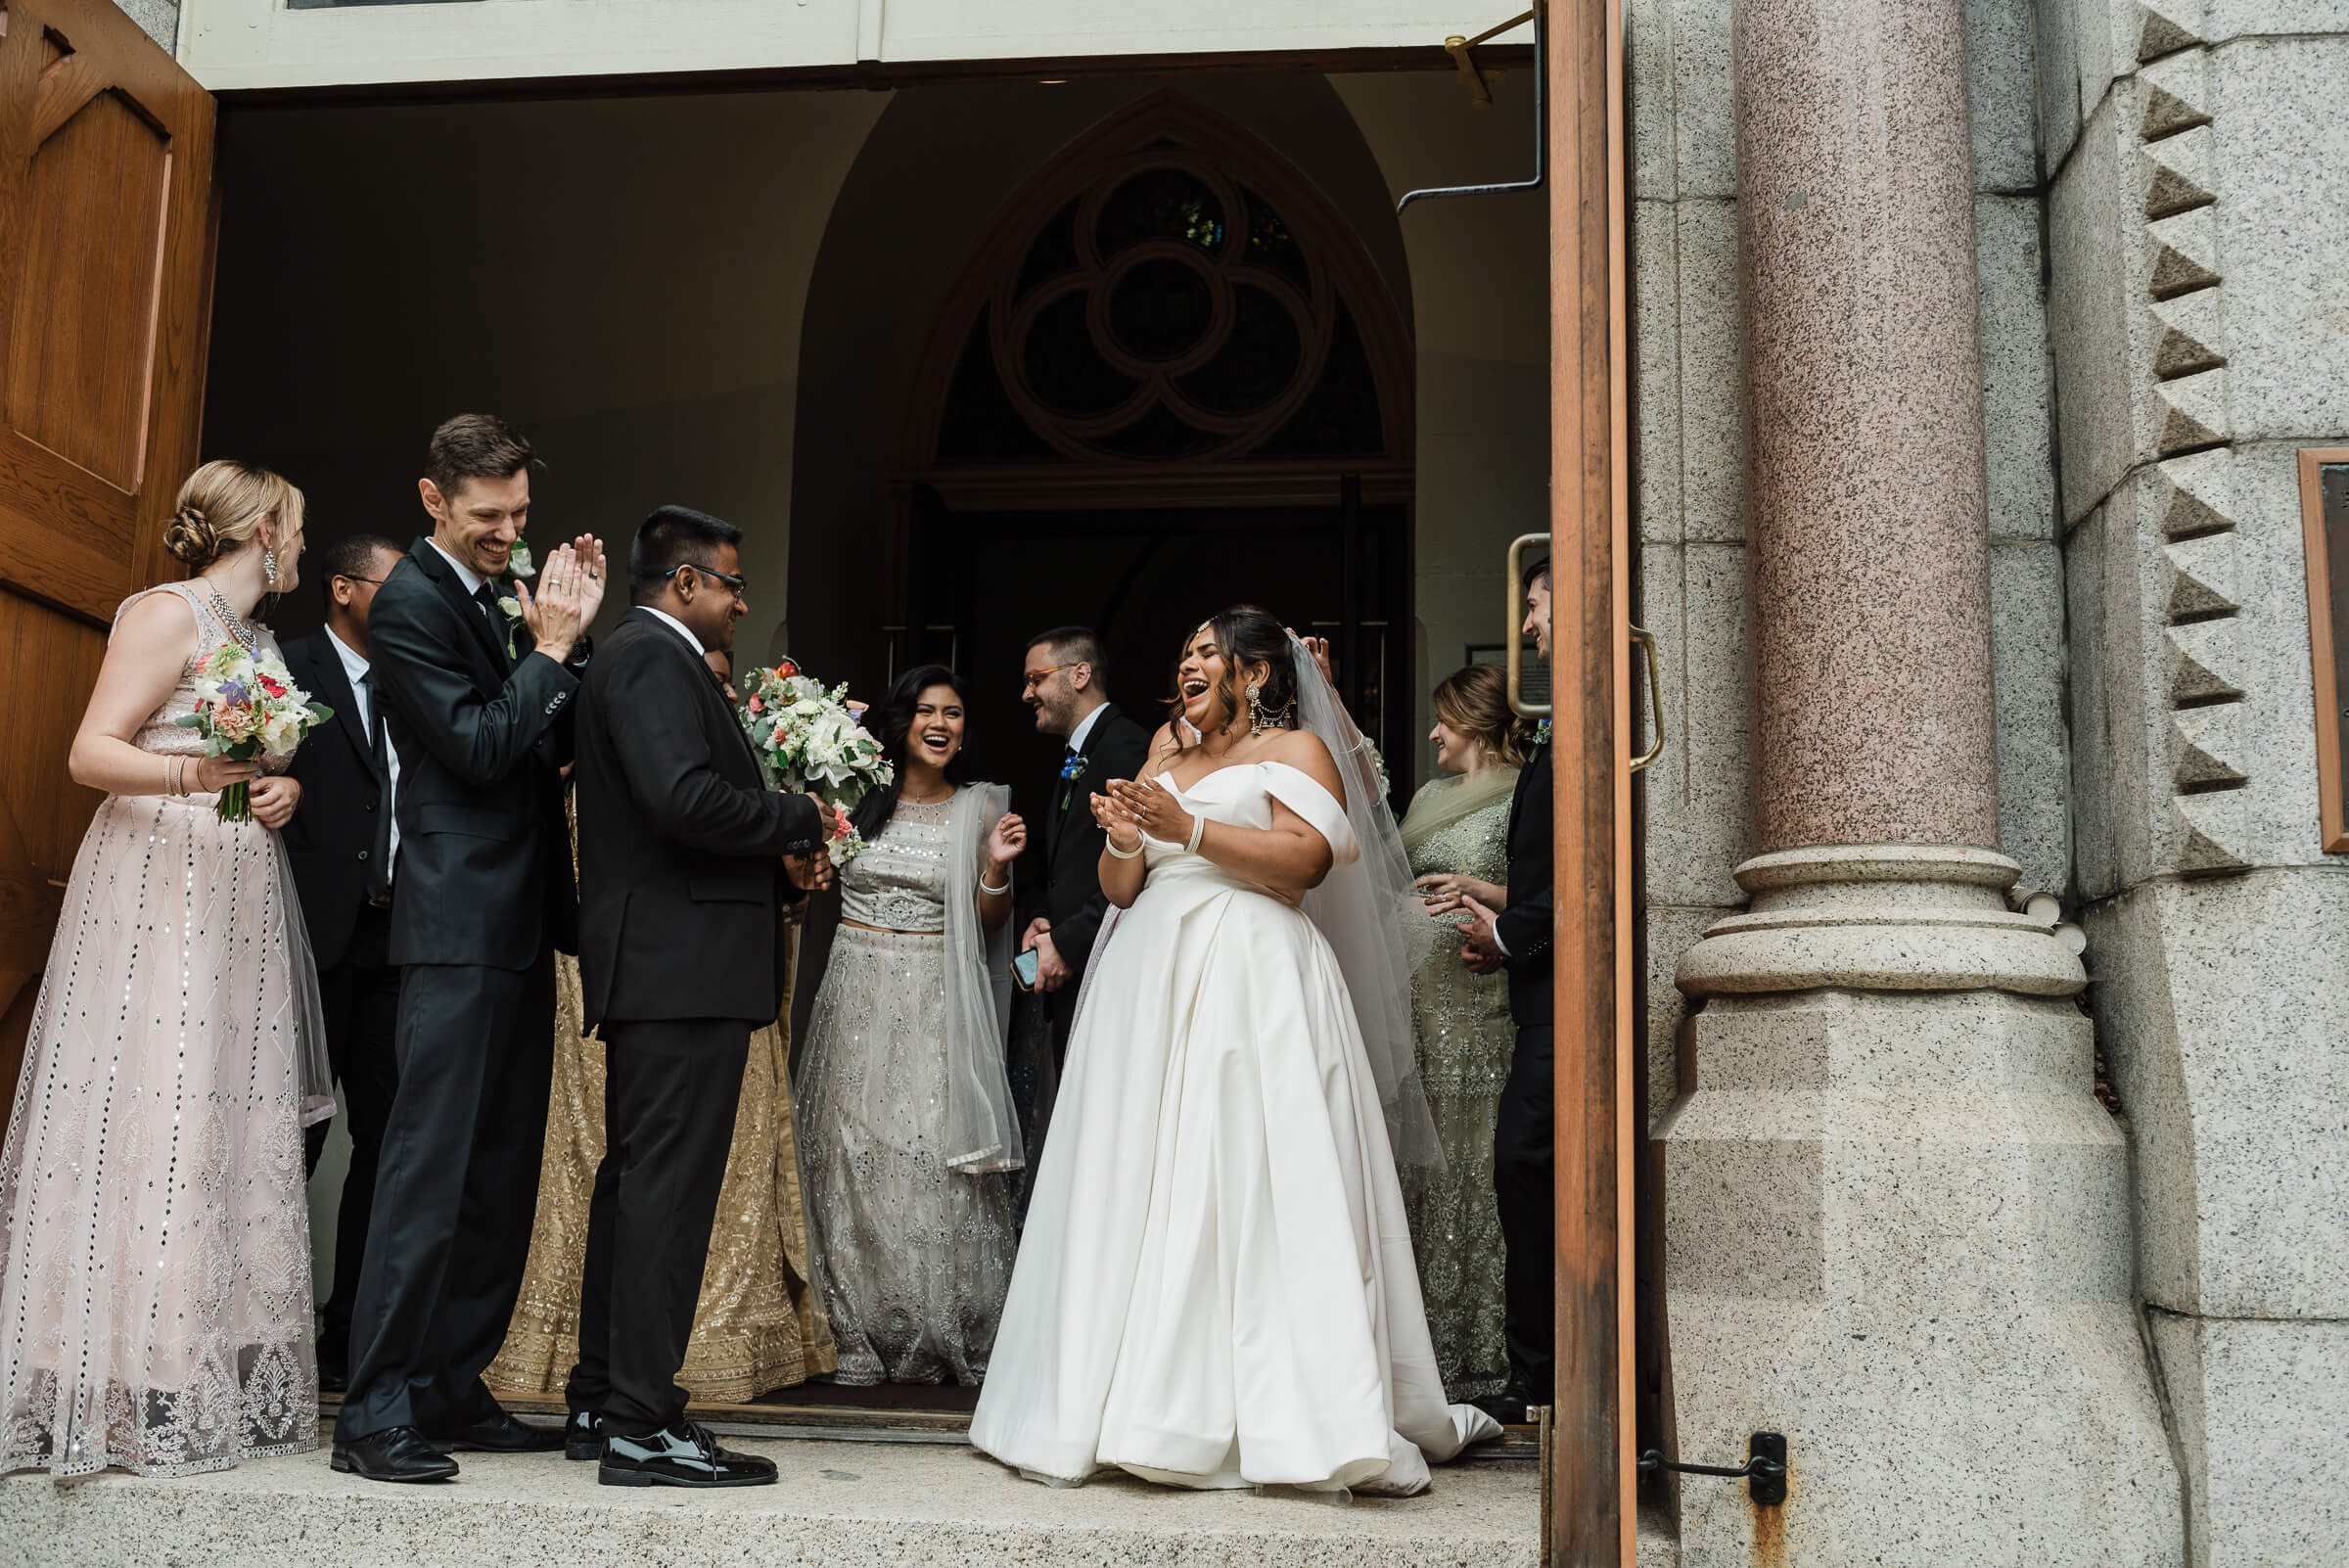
(914, 1259)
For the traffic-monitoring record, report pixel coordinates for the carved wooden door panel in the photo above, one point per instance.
(106, 236)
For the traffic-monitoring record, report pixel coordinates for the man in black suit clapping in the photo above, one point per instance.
(1519, 940)
(340, 845)
(686, 859)
(478, 675)
(1065, 685)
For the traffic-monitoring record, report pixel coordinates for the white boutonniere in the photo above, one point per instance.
(1541, 733)
(512, 605)
(520, 562)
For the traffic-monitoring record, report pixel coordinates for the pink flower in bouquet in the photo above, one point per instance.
(247, 706)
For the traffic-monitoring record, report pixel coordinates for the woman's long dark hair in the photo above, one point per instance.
(890, 720)
(1248, 634)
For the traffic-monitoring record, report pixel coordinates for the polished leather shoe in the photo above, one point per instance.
(1512, 1406)
(683, 1456)
(503, 1434)
(395, 1454)
(583, 1436)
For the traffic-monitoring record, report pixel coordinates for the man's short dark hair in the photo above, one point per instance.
(352, 557)
(1073, 645)
(672, 537)
(1539, 571)
(475, 446)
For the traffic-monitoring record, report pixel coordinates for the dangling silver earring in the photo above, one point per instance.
(1258, 723)
(269, 568)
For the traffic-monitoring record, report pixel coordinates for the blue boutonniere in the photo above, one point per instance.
(1541, 733)
(1072, 769)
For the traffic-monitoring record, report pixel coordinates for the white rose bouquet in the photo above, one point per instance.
(247, 705)
(809, 742)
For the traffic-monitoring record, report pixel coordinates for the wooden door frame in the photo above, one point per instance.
(1593, 1482)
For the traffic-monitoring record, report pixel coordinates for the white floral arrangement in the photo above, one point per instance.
(809, 742)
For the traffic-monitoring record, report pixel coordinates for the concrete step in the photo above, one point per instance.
(855, 1505)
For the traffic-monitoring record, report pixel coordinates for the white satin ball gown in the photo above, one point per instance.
(1216, 1285)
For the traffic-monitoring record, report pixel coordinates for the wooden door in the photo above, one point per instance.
(1592, 1514)
(105, 234)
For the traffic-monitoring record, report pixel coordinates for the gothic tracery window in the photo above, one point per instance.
(1170, 311)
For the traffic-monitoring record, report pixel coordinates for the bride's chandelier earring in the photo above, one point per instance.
(1257, 722)
(269, 568)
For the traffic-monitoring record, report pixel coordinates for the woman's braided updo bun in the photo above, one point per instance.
(191, 538)
(223, 505)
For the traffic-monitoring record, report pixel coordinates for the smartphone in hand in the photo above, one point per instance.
(1023, 969)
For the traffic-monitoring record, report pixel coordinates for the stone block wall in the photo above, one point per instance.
(160, 18)
(2199, 177)
(1689, 462)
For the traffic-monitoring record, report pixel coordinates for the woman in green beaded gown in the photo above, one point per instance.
(1456, 834)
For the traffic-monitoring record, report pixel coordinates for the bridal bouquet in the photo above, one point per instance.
(810, 742)
(247, 705)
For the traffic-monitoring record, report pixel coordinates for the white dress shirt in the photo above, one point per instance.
(1085, 727)
(466, 574)
(678, 627)
(355, 669)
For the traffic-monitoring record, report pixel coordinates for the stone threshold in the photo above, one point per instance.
(927, 1503)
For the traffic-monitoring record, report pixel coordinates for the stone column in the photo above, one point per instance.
(1896, 1221)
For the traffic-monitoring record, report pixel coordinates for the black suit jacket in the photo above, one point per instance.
(331, 837)
(1115, 748)
(1527, 928)
(680, 889)
(483, 874)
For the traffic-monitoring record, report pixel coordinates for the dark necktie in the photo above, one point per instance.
(378, 855)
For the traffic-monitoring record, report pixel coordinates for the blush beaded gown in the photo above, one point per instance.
(154, 1246)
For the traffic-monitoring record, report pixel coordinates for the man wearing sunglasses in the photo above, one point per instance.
(340, 843)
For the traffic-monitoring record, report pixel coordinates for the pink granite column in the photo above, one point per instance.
(1867, 537)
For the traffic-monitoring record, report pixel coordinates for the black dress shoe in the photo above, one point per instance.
(683, 1456)
(395, 1454)
(503, 1434)
(1512, 1406)
(583, 1436)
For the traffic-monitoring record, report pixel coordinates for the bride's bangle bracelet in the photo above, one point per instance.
(1124, 855)
(1198, 829)
(991, 891)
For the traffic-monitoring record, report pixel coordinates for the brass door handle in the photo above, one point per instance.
(1513, 635)
(1655, 697)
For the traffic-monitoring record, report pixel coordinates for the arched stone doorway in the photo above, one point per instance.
(1168, 378)
(1135, 353)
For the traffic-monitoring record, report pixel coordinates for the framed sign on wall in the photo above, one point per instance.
(2324, 533)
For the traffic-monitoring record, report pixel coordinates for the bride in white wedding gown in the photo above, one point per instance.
(1216, 1285)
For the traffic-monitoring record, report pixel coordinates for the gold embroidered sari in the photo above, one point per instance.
(759, 1325)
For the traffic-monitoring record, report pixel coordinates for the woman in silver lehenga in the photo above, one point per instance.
(905, 1121)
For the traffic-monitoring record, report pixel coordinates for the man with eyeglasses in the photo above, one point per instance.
(341, 846)
(1065, 683)
(686, 863)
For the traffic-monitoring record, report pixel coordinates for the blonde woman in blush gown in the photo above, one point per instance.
(1456, 834)
(760, 1325)
(155, 1244)
(1216, 1286)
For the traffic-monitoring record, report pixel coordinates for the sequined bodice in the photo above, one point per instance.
(1476, 845)
(900, 882)
(162, 733)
